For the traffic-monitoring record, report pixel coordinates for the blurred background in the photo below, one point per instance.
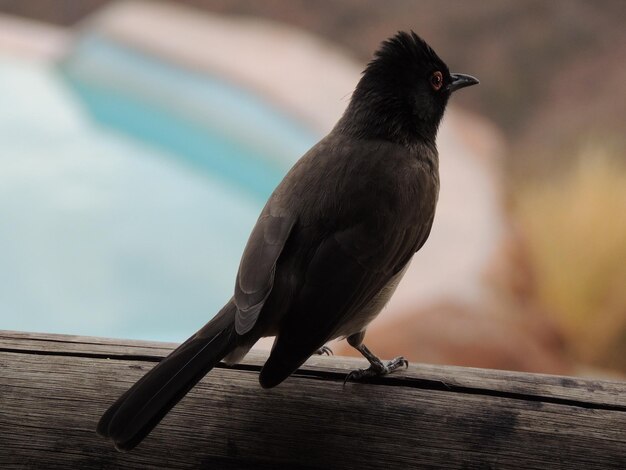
(139, 141)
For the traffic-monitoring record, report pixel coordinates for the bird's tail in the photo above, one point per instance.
(131, 418)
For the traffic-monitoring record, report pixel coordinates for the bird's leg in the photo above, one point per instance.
(324, 350)
(377, 367)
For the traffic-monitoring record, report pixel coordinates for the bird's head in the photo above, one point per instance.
(405, 89)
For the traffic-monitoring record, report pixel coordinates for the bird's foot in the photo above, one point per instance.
(377, 369)
(324, 350)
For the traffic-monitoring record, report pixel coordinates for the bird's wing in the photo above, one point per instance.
(258, 264)
(350, 267)
(347, 270)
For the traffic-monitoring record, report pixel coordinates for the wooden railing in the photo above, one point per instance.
(53, 389)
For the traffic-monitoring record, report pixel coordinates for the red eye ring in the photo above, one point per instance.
(436, 80)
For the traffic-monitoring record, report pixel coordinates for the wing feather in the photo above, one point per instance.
(257, 268)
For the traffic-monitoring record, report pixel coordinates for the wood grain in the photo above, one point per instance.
(53, 389)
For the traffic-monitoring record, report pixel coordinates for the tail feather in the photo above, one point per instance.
(284, 360)
(131, 418)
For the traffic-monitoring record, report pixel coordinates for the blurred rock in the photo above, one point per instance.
(27, 38)
(463, 335)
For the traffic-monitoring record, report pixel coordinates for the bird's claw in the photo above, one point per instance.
(324, 350)
(397, 362)
(377, 369)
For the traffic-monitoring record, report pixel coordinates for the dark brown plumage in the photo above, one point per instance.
(331, 243)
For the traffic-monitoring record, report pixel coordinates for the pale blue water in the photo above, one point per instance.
(128, 187)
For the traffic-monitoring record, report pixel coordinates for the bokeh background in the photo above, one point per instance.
(139, 140)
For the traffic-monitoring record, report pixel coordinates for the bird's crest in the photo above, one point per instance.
(401, 50)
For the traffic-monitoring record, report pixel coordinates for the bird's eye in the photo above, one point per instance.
(436, 80)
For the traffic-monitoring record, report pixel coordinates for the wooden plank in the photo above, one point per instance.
(53, 389)
(71, 344)
(581, 391)
(50, 404)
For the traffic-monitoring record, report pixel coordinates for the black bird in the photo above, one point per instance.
(331, 244)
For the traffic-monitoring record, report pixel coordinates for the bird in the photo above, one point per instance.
(330, 245)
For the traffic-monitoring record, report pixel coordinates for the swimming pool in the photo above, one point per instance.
(128, 187)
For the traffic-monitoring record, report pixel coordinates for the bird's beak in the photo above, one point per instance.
(460, 80)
